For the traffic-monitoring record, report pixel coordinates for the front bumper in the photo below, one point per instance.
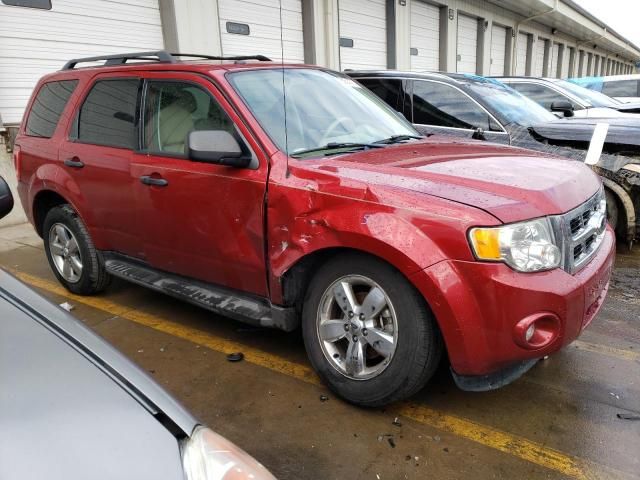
(478, 307)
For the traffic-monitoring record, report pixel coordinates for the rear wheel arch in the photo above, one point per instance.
(43, 202)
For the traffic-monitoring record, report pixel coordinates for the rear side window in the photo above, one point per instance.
(391, 91)
(621, 88)
(440, 105)
(48, 106)
(108, 115)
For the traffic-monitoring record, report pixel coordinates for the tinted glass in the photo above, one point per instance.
(391, 91)
(173, 109)
(48, 106)
(43, 4)
(595, 99)
(621, 88)
(442, 105)
(108, 114)
(542, 95)
(507, 105)
(321, 108)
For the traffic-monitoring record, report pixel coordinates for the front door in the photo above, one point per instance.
(198, 219)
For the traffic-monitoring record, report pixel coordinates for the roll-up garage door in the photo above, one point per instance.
(425, 36)
(36, 41)
(254, 27)
(363, 34)
(498, 49)
(538, 68)
(521, 53)
(467, 44)
(554, 60)
(596, 64)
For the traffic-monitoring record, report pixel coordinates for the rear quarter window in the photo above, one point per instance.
(48, 107)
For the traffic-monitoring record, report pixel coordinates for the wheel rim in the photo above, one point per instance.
(65, 253)
(357, 327)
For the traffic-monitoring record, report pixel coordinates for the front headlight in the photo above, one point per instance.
(208, 456)
(526, 246)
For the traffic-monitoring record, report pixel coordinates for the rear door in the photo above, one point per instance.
(197, 219)
(97, 154)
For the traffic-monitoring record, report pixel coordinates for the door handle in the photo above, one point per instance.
(149, 180)
(74, 162)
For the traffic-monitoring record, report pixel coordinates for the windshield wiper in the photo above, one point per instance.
(398, 139)
(330, 148)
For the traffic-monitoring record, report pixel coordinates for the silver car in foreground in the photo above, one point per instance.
(73, 407)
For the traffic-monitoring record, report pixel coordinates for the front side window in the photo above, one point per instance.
(322, 108)
(542, 95)
(173, 109)
(441, 105)
(48, 106)
(621, 88)
(108, 115)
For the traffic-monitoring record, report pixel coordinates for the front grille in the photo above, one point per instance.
(580, 232)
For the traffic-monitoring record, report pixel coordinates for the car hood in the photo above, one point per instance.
(603, 113)
(622, 130)
(509, 183)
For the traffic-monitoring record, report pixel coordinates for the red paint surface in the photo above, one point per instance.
(410, 205)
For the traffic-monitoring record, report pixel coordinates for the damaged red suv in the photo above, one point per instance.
(282, 195)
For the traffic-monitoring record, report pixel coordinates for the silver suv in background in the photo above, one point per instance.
(625, 88)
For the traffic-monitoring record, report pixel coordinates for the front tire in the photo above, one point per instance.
(75, 261)
(368, 333)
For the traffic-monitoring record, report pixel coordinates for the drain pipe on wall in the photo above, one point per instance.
(516, 31)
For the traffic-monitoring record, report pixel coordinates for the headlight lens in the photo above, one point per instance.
(208, 456)
(525, 247)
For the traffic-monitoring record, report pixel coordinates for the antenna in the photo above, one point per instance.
(284, 91)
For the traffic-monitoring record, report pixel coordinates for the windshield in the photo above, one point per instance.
(596, 99)
(322, 108)
(508, 105)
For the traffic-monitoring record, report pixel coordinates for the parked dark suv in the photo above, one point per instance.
(288, 194)
(470, 106)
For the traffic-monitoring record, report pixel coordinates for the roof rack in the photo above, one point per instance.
(160, 56)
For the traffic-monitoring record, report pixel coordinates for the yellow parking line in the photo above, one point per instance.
(511, 444)
(608, 351)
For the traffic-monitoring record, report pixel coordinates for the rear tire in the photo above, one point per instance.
(379, 358)
(75, 261)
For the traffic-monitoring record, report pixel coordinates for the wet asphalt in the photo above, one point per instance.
(558, 421)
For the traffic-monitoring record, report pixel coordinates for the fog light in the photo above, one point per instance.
(530, 331)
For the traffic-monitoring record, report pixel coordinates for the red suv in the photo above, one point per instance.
(282, 195)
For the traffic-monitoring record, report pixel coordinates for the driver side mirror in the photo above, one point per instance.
(217, 146)
(563, 107)
(6, 199)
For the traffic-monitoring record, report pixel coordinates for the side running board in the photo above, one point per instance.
(230, 303)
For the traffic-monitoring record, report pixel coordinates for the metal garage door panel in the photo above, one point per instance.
(467, 44)
(555, 53)
(28, 52)
(539, 65)
(364, 22)
(498, 49)
(263, 19)
(521, 54)
(425, 36)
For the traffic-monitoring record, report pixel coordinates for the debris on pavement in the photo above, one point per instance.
(615, 395)
(392, 442)
(396, 422)
(628, 416)
(67, 306)
(235, 357)
(323, 398)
